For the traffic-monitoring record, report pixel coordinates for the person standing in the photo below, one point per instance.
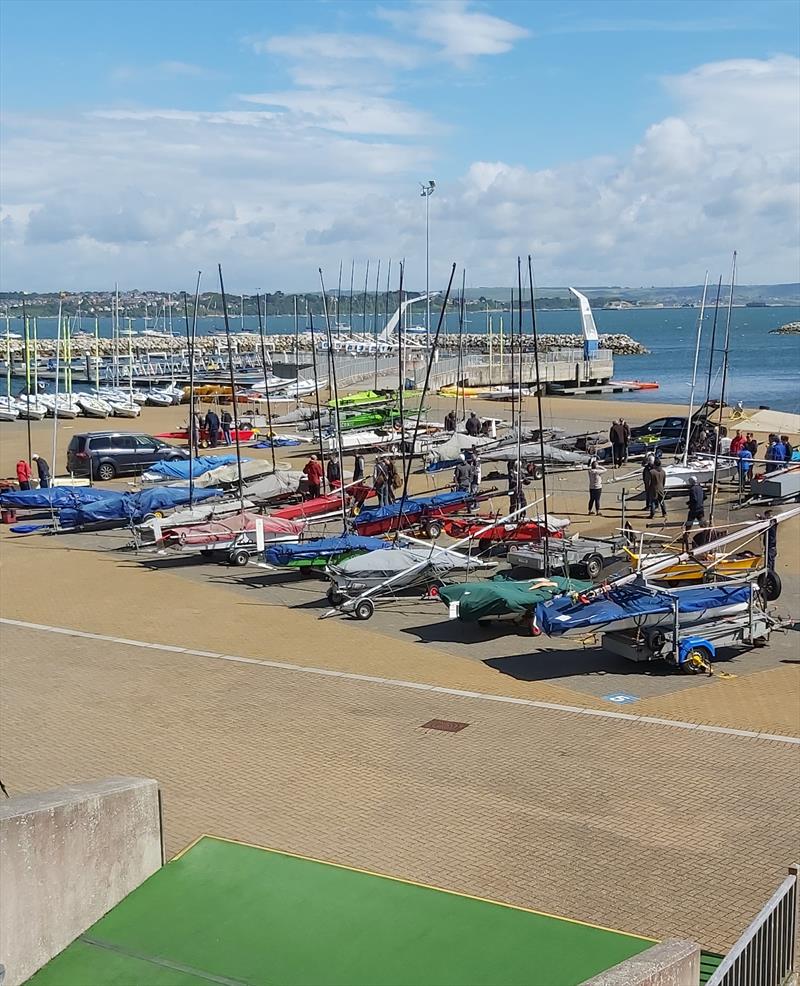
(475, 478)
(788, 450)
(738, 443)
(516, 491)
(595, 486)
(751, 444)
(381, 481)
(473, 425)
(462, 474)
(450, 421)
(358, 467)
(227, 421)
(212, 423)
(619, 436)
(695, 503)
(658, 489)
(745, 463)
(313, 473)
(394, 479)
(194, 432)
(332, 472)
(23, 475)
(649, 462)
(43, 469)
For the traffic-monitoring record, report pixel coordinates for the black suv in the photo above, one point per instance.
(106, 454)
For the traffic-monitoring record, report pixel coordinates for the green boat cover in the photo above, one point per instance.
(500, 596)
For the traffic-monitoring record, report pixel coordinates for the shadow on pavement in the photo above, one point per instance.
(542, 664)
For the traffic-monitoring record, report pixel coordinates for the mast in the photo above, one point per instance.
(431, 353)
(519, 379)
(364, 304)
(539, 412)
(375, 320)
(713, 337)
(350, 306)
(723, 392)
(460, 358)
(58, 372)
(233, 389)
(400, 377)
(26, 345)
(694, 371)
(296, 346)
(316, 394)
(97, 353)
(335, 405)
(264, 367)
(386, 312)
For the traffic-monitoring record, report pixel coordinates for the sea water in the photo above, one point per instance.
(763, 368)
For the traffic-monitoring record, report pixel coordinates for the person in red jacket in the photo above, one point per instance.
(23, 475)
(738, 443)
(313, 473)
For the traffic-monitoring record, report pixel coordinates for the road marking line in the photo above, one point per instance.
(399, 683)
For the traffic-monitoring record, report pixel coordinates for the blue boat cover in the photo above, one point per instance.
(53, 497)
(283, 554)
(179, 468)
(278, 441)
(562, 615)
(413, 506)
(132, 507)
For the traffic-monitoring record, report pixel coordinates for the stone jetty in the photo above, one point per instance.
(790, 329)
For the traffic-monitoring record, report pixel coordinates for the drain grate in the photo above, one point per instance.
(445, 725)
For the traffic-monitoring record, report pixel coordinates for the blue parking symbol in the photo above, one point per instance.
(621, 698)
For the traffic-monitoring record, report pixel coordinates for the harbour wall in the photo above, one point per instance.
(66, 858)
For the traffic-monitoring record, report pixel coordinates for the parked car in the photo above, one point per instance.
(106, 454)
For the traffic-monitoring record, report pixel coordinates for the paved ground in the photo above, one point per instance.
(647, 828)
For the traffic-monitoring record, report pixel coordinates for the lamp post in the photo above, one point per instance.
(427, 190)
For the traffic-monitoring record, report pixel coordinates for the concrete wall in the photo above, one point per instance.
(66, 858)
(670, 963)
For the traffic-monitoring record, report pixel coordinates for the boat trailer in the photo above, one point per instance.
(692, 649)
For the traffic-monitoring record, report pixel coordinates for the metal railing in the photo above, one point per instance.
(765, 955)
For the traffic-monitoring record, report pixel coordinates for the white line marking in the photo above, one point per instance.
(399, 683)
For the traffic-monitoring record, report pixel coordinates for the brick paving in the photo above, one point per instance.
(639, 827)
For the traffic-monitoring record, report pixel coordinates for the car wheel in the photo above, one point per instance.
(106, 471)
(593, 566)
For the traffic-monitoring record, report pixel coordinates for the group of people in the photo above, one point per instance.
(215, 425)
(25, 474)
(473, 426)
(385, 477)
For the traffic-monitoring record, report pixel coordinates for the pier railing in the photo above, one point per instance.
(766, 954)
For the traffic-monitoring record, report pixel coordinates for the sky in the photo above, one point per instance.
(619, 143)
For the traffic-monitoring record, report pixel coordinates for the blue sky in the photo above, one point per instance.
(151, 136)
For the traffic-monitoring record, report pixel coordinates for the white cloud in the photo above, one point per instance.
(457, 28)
(306, 178)
(347, 111)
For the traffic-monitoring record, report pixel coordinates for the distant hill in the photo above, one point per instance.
(768, 293)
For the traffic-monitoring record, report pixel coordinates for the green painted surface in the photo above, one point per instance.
(252, 916)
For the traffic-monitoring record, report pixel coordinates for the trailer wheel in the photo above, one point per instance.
(535, 472)
(335, 596)
(239, 558)
(697, 661)
(655, 639)
(307, 571)
(533, 627)
(593, 565)
(364, 609)
(433, 529)
(769, 583)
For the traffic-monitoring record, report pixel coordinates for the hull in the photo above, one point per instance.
(33, 411)
(642, 606)
(93, 409)
(690, 571)
(126, 410)
(8, 415)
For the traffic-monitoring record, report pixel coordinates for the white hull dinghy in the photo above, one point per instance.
(8, 409)
(31, 408)
(93, 407)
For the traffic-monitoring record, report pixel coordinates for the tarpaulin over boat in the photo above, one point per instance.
(440, 456)
(633, 605)
(216, 531)
(284, 554)
(499, 596)
(131, 507)
(278, 441)
(533, 450)
(279, 483)
(413, 506)
(229, 474)
(179, 468)
(53, 497)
